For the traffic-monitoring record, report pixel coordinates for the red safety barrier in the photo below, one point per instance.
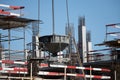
(12, 62)
(54, 65)
(15, 69)
(12, 7)
(8, 13)
(69, 74)
(75, 67)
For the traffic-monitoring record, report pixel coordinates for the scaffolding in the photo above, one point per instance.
(108, 57)
(31, 66)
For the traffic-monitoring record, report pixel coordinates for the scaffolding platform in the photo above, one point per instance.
(112, 43)
(9, 22)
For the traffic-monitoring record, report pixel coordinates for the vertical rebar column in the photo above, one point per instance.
(106, 34)
(90, 73)
(24, 43)
(35, 39)
(9, 45)
(25, 53)
(65, 73)
(35, 28)
(9, 42)
(115, 75)
(0, 49)
(31, 71)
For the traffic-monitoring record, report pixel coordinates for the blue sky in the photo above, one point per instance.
(98, 13)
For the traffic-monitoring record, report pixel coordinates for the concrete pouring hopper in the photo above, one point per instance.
(54, 43)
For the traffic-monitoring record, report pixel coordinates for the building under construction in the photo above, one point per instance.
(108, 57)
(51, 57)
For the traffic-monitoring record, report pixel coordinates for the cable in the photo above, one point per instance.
(53, 24)
(67, 12)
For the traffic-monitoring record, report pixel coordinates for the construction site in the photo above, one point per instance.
(54, 56)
